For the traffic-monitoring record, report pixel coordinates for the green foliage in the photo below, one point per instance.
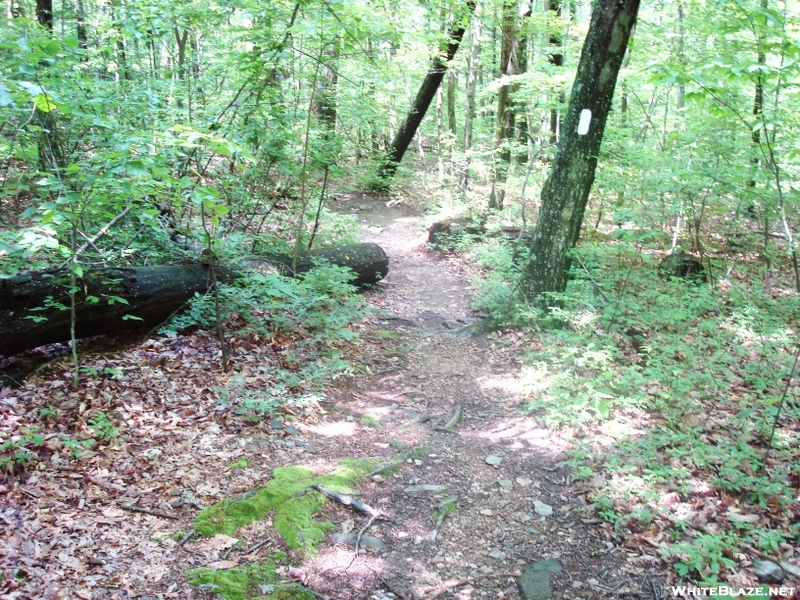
(239, 464)
(76, 447)
(48, 413)
(707, 556)
(18, 451)
(102, 426)
(705, 366)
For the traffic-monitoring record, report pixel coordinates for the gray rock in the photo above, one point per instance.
(505, 483)
(366, 540)
(768, 571)
(493, 460)
(542, 509)
(435, 489)
(497, 554)
(535, 581)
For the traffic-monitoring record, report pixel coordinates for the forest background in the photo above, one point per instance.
(231, 127)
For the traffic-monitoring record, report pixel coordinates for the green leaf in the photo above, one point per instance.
(5, 96)
(131, 318)
(137, 167)
(44, 102)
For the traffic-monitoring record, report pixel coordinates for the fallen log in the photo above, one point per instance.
(368, 261)
(35, 307)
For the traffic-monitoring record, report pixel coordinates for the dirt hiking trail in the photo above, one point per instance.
(504, 468)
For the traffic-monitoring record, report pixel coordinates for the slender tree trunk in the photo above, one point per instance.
(80, 28)
(325, 102)
(556, 59)
(122, 58)
(431, 83)
(505, 116)
(511, 64)
(680, 101)
(472, 78)
(758, 104)
(14, 10)
(451, 102)
(566, 190)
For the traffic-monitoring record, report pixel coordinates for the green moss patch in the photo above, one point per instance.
(239, 464)
(248, 581)
(371, 421)
(294, 504)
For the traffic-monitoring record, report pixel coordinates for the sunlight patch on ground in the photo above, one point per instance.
(335, 429)
(505, 382)
(388, 396)
(524, 433)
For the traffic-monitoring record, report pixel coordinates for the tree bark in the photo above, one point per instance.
(153, 295)
(556, 59)
(566, 191)
(44, 14)
(405, 134)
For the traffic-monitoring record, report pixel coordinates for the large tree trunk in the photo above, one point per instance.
(44, 14)
(566, 191)
(405, 134)
(34, 307)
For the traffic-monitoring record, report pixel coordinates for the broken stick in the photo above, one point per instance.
(452, 421)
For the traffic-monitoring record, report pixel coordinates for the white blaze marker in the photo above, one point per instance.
(583, 123)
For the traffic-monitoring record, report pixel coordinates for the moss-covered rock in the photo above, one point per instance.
(288, 494)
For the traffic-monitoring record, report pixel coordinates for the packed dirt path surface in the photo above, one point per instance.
(504, 468)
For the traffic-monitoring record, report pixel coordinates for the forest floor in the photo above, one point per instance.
(69, 531)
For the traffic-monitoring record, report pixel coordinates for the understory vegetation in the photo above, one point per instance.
(138, 134)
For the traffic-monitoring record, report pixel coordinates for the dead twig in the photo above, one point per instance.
(363, 529)
(98, 235)
(147, 511)
(257, 546)
(454, 584)
(189, 535)
(452, 421)
(346, 500)
(443, 508)
(390, 465)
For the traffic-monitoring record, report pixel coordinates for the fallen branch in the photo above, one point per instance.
(452, 421)
(257, 546)
(187, 536)
(454, 584)
(97, 236)
(346, 500)
(363, 529)
(147, 511)
(395, 462)
(443, 507)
